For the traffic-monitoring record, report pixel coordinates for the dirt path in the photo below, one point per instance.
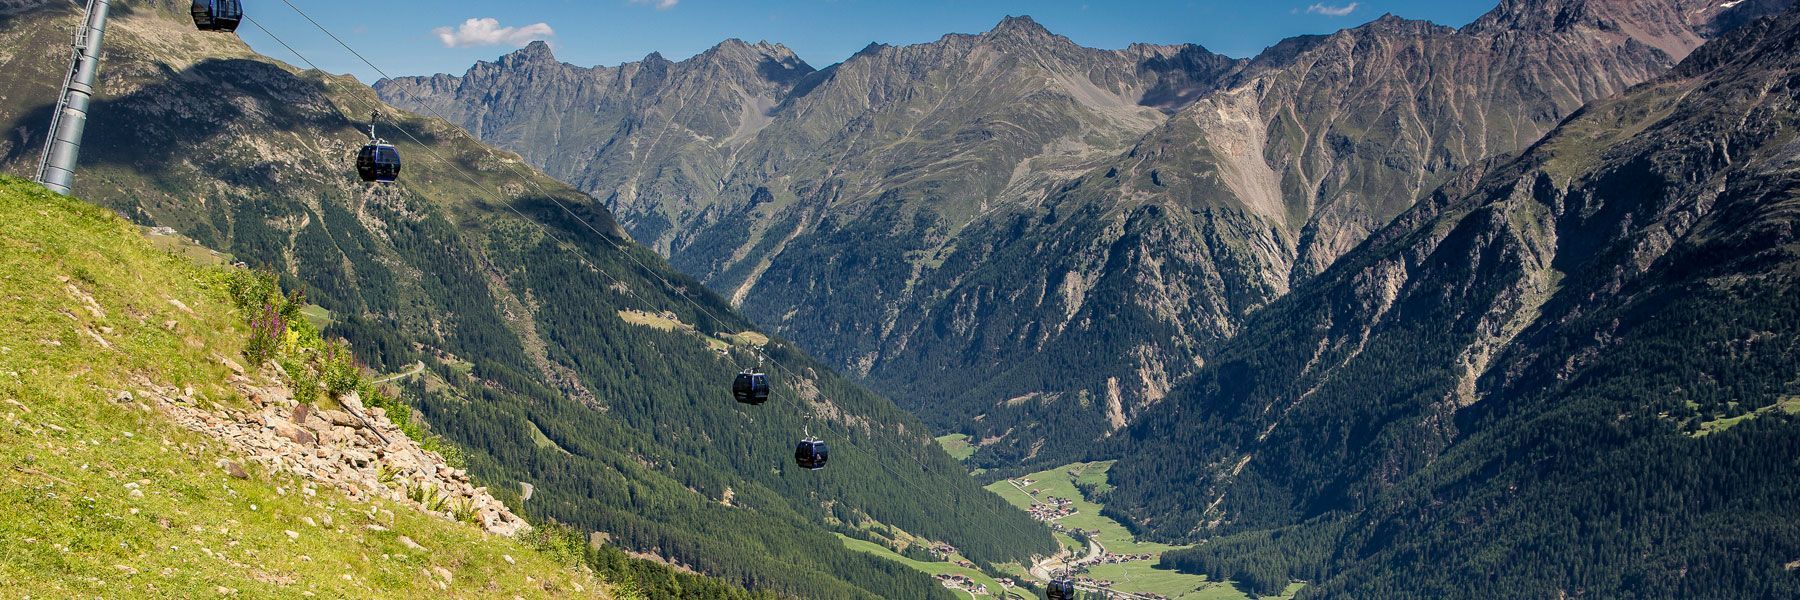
(417, 368)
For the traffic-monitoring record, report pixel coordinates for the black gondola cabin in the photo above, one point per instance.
(217, 15)
(379, 161)
(811, 454)
(750, 387)
(1061, 588)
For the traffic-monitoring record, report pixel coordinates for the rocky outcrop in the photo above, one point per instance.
(654, 128)
(354, 449)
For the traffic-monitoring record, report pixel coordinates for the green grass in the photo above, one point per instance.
(747, 339)
(1060, 482)
(930, 568)
(106, 498)
(1789, 405)
(1135, 576)
(318, 316)
(185, 247)
(665, 322)
(957, 445)
(541, 440)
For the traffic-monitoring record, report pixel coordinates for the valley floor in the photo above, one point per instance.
(1113, 559)
(1102, 552)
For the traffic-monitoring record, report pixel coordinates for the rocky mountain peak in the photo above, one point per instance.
(1392, 24)
(1019, 24)
(1291, 158)
(735, 48)
(1674, 26)
(1160, 50)
(870, 50)
(762, 55)
(535, 53)
(1021, 29)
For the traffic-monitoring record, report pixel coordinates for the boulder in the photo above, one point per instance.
(235, 471)
(358, 458)
(352, 401)
(340, 418)
(295, 434)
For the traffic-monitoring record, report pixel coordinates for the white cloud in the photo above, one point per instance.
(488, 32)
(1332, 11)
(659, 4)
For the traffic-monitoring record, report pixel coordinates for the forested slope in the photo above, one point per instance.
(1571, 373)
(530, 318)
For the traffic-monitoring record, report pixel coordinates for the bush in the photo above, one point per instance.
(251, 290)
(267, 330)
(338, 369)
(301, 378)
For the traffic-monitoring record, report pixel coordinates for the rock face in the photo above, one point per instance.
(600, 127)
(1567, 338)
(359, 452)
(1014, 235)
(664, 142)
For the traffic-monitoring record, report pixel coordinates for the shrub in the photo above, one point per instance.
(337, 367)
(251, 290)
(267, 331)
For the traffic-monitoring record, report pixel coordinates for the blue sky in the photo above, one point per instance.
(415, 37)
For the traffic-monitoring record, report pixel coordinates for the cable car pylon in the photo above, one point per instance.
(56, 169)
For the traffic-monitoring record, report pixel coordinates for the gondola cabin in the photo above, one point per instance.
(811, 454)
(217, 15)
(379, 161)
(751, 387)
(1061, 588)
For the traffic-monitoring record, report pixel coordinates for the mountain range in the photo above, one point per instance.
(1029, 241)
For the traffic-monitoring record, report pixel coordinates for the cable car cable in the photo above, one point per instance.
(925, 470)
(467, 177)
(646, 270)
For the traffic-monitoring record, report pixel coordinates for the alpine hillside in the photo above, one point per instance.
(548, 345)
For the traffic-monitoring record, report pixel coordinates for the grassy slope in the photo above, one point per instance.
(932, 568)
(957, 445)
(1060, 483)
(73, 528)
(1135, 576)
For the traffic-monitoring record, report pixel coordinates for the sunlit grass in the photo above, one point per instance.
(957, 445)
(1133, 576)
(103, 496)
